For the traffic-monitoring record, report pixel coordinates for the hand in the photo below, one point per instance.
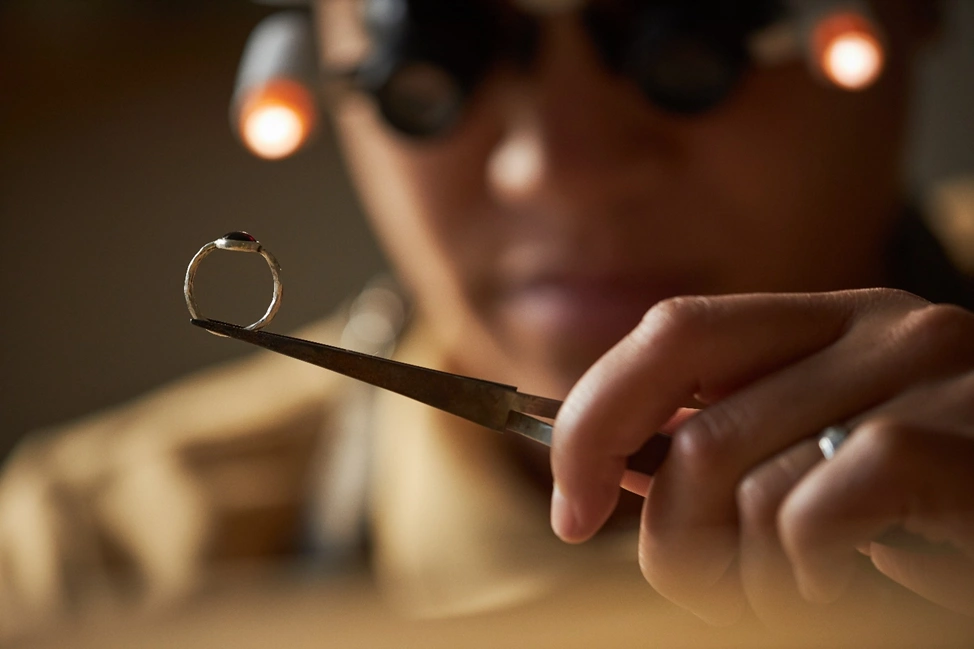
(745, 512)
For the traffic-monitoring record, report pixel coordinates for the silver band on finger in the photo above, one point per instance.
(235, 242)
(830, 439)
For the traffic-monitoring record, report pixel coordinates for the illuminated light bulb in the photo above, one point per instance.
(273, 132)
(853, 61)
(276, 119)
(848, 50)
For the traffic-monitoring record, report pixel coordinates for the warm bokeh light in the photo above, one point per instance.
(273, 131)
(276, 119)
(853, 61)
(848, 50)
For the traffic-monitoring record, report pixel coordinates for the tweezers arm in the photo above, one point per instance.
(646, 460)
(531, 404)
(650, 457)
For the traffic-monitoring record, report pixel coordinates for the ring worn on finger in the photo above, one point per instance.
(830, 439)
(235, 242)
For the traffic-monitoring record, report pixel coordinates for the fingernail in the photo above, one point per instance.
(563, 520)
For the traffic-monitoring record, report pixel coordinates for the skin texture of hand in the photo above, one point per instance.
(745, 513)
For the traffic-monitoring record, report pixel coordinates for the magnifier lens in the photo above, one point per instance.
(684, 74)
(420, 99)
(686, 58)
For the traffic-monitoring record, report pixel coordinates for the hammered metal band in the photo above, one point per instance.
(235, 242)
(830, 439)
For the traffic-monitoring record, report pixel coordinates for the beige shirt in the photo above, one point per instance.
(248, 462)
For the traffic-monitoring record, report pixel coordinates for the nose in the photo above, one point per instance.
(575, 136)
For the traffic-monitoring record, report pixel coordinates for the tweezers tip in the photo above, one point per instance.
(215, 327)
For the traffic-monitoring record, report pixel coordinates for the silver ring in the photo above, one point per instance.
(235, 242)
(830, 439)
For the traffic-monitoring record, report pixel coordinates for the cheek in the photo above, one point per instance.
(804, 173)
(427, 206)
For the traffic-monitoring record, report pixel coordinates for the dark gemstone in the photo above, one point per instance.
(238, 236)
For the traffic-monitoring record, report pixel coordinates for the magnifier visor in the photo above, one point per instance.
(422, 60)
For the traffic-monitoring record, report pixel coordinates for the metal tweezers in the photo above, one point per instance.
(492, 405)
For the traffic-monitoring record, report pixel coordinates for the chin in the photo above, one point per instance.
(550, 360)
(562, 330)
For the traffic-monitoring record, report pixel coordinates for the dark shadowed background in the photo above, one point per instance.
(117, 164)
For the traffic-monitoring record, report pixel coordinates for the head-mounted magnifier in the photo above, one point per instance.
(425, 58)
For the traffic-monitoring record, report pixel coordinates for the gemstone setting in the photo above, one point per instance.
(239, 236)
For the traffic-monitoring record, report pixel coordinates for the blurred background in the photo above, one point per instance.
(117, 163)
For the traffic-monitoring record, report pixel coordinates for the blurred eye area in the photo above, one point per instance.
(686, 57)
(419, 60)
(420, 98)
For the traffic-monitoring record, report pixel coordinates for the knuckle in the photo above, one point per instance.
(699, 447)
(898, 295)
(675, 317)
(883, 299)
(940, 329)
(801, 526)
(886, 442)
(707, 443)
(798, 529)
(758, 502)
(884, 449)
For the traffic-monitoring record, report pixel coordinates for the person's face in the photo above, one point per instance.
(564, 205)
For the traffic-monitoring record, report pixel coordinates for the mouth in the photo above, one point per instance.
(586, 311)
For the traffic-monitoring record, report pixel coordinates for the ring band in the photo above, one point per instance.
(235, 242)
(830, 439)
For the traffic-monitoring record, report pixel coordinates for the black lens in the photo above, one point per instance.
(420, 98)
(683, 73)
(686, 57)
(428, 56)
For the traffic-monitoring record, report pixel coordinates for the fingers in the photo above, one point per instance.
(887, 473)
(766, 571)
(690, 522)
(780, 368)
(704, 346)
(683, 347)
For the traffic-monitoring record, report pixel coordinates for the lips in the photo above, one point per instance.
(586, 310)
